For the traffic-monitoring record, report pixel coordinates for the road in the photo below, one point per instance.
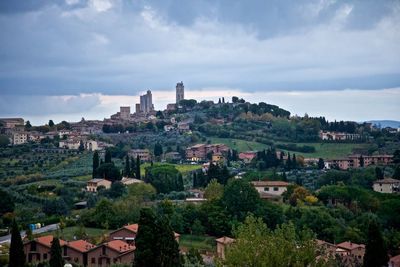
(44, 229)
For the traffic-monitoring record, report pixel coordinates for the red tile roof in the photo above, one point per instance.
(80, 245)
(132, 227)
(46, 240)
(395, 259)
(270, 183)
(349, 245)
(120, 246)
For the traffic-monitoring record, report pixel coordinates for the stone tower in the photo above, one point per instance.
(180, 92)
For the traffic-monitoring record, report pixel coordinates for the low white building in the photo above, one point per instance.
(387, 185)
(270, 189)
(19, 138)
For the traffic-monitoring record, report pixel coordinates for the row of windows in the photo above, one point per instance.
(267, 188)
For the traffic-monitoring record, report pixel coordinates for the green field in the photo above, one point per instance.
(330, 150)
(237, 144)
(183, 168)
(197, 242)
(68, 233)
(322, 150)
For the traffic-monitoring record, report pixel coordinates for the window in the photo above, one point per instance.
(93, 260)
(266, 188)
(276, 188)
(33, 246)
(45, 256)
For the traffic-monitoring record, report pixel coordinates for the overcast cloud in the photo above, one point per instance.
(88, 49)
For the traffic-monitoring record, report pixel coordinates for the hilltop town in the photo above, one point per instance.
(213, 171)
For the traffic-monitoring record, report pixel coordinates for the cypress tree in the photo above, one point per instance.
(138, 176)
(294, 161)
(375, 250)
(96, 163)
(56, 259)
(107, 157)
(133, 167)
(17, 255)
(127, 170)
(155, 242)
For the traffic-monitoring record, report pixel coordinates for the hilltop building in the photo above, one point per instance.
(180, 92)
(146, 102)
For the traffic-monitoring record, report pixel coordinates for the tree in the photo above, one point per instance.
(256, 245)
(4, 141)
(155, 242)
(133, 167)
(81, 146)
(96, 163)
(396, 156)
(6, 202)
(51, 123)
(56, 259)
(240, 197)
(127, 167)
(137, 175)
(379, 173)
(28, 125)
(109, 171)
(158, 150)
(321, 163)
(17, 255)
(107, 157)
(361, 159)
(375, 250)
(214, 190)
(197, 227)
(396, 174)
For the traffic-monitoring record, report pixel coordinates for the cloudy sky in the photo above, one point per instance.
(67, 59)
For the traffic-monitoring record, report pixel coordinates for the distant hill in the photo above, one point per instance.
(385, 123)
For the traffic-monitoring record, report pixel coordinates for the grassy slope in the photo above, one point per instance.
(323, 150)
(197, 242)
(69, 232)
(183, 168)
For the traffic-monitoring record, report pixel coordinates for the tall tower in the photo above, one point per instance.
(146, 102)
(180, 92)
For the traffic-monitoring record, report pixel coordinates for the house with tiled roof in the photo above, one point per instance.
(387, 185)
(76, 251)
(351, 252)
(394, 261)
(115, 251)
(128, 233)
(38, 249)
(270, 189)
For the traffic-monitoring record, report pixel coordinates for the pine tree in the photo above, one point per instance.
(127, 170)
(375, 250)
(56, 259)
(17, 255)
(96, 164)
(138, 176)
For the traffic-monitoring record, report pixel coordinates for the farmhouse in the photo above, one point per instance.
(387, 185)
(93, 184)
(270, 189)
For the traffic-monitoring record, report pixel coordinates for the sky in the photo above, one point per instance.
(68, 59)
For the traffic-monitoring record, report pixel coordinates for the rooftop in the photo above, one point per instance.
(270, 183)
(119, 245)
(387, 181)
(225, 240)
(349, 245)
(47, 239)
(80, 245)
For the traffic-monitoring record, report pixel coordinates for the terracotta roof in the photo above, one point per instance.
(270, 183)
(47, 239)
(387, 181)
(395, 259)
(119, 245)
(80, 245)
(225, 240)
(349, 245)
(132, 227)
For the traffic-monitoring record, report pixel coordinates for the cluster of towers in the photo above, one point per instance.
(146, 101)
